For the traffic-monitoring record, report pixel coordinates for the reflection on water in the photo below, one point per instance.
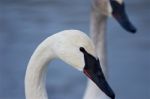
(24, 24)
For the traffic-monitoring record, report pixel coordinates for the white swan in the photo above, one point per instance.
(101, 10)
(74, 48)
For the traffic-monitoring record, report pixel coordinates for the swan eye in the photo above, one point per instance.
(117, 1)
(82, 49)
(90, 60)
(116, 6)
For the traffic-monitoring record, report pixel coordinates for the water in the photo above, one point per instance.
(24, 24)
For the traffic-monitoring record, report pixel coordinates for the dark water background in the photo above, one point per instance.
(25, 23)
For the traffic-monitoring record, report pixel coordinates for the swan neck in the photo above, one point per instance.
(98, 34)
(36, 72)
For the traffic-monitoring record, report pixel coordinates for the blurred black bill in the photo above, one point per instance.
(119, 13)
(93, 71)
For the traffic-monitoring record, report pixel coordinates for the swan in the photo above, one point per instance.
(101, 10)
(73, 47)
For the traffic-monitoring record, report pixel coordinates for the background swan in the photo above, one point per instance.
(101, 10)
(71, 46)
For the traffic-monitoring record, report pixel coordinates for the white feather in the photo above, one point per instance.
(64, 45)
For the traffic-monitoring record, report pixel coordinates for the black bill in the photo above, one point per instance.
(119, 13)
(93, 70)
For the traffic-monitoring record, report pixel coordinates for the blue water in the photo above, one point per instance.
(25, 23)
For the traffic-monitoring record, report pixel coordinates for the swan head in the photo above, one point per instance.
(115, 8)
(77, 49)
